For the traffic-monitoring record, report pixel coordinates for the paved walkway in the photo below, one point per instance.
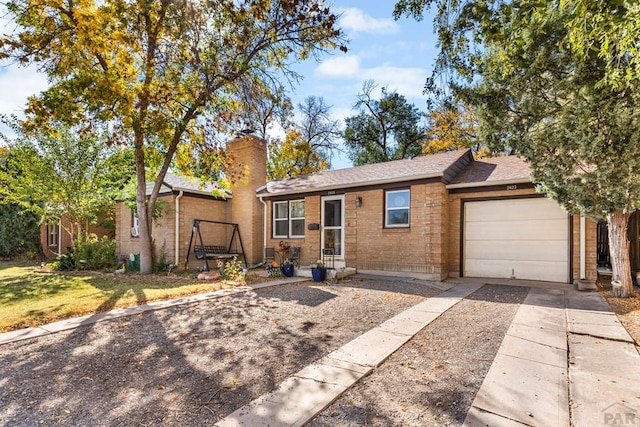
(565, 360)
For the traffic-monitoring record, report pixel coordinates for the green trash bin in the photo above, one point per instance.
(134, 262)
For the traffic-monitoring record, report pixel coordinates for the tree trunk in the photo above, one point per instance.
(144, 220)
(619, 251)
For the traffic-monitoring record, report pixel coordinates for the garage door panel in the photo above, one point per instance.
(518, 210)
(529, 230)
(530, 270)
(529, 237)
(512, 250)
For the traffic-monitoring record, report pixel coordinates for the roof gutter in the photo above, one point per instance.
(354, 185)
(177, 244)
(264, 227)
(490, 183)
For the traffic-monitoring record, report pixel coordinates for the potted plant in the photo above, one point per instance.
(319, 272)
(287, 268)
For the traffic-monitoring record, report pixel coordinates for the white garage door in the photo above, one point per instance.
(521, 238)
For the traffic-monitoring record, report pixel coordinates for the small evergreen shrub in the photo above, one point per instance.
(92, 253)
(64, 262)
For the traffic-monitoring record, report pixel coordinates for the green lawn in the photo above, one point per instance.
(29, 298)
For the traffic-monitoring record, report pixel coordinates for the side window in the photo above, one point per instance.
(52, 234)
(397, 208)
(135, 225)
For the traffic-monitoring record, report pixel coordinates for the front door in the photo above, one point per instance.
(333, 225)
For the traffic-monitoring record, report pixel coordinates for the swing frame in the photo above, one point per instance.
(205, 252)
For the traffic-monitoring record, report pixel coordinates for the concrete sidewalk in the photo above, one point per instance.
(565, 360)
(63, 325)
(300, 397)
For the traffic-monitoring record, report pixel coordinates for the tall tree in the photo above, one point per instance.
(74, 175)
(317, 127)
(19, 228)
(384, 129)
(294, 156)
(155, 69)
(309, 144)
(262, 109)
(559, 82)
(453, 127)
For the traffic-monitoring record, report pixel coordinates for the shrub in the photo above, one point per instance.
(64, 262)
(20, 232)
(232, 269)
(92, 253)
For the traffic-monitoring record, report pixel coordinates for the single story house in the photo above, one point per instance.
(438, 216)
(433, 217)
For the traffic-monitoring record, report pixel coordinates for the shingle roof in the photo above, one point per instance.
(493, 170)
(421, 167)
(173, 182)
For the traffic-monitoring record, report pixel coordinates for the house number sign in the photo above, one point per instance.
(512, 187)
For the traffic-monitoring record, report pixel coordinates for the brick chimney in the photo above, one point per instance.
(249, 172)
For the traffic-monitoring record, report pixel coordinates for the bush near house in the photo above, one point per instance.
(19, 232)
(88, 253)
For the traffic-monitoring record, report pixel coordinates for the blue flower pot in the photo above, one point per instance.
(287, 270)
(319, 274)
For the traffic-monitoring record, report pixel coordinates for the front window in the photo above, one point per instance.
(281, 219)
(296, 209)
(397, 208)
(52, 234)
(288, 219)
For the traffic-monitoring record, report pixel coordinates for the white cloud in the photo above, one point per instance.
(355, 20)
(339, 66)
(407, 81)
(16, 85)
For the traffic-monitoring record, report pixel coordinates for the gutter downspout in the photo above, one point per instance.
(583, 263)
(177, 243)
(264, 226)
(59, 236)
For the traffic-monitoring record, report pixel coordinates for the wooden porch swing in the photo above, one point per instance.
(206, 252)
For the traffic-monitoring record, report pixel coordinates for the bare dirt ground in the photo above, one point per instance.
(628, 312)
(193, 364)
(433, 379)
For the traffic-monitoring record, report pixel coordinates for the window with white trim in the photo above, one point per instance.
(52, 234)
(397, 208)
(296, 218)
(288, 219)
(135, 225)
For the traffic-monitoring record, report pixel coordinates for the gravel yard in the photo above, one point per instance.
(193, 364)
(433, 379)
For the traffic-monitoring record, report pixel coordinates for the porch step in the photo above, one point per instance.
(337, 273)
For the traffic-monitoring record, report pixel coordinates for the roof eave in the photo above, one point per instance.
(490, 183)
(350, 185)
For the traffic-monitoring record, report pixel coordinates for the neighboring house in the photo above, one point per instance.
(438, 216)
(55, 239)
(183, 199)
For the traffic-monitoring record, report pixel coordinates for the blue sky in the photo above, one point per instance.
(396, 54)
